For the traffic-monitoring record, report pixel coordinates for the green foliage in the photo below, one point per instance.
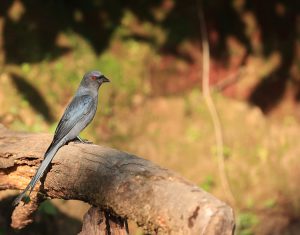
(193, 133)
(227, 151)
(208, 183)
(111, 67)
(262, 153)
(269, 203)
(250, 202)
(26, 68)
(48, 208)
(246, 222)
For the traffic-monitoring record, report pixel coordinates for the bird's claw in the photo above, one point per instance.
(79, 140)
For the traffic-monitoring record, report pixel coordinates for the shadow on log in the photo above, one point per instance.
(97, 222)
(129, 187)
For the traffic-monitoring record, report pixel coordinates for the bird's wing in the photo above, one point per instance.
(77, 109)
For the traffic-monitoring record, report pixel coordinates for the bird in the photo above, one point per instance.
(78, 114)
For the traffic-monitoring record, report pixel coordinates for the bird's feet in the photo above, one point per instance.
(79, 140)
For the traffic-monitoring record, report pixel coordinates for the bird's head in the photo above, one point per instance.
(94, 79)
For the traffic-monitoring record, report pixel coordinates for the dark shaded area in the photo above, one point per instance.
(31, 94)
(48, 220)
(268, 93)
(182, 22)
(33, 37)
(278, 34)
(42, 22)
(223, 19)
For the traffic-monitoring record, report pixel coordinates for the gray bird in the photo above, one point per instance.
(76, 117)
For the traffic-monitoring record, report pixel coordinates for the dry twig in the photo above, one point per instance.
(212, 108)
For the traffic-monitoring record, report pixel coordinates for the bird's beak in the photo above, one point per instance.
(105, 79)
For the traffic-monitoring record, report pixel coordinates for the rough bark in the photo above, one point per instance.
(131, 187)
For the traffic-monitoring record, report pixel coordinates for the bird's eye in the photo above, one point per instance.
(94, 78)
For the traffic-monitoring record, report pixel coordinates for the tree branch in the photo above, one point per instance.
(130, 187)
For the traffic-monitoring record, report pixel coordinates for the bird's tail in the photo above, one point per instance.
(40, 171)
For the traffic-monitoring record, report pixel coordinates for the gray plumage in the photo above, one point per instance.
(76, 117)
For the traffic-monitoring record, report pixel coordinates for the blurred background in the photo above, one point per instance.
(154, 108)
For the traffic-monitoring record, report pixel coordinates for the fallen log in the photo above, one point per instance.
(130, 187)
